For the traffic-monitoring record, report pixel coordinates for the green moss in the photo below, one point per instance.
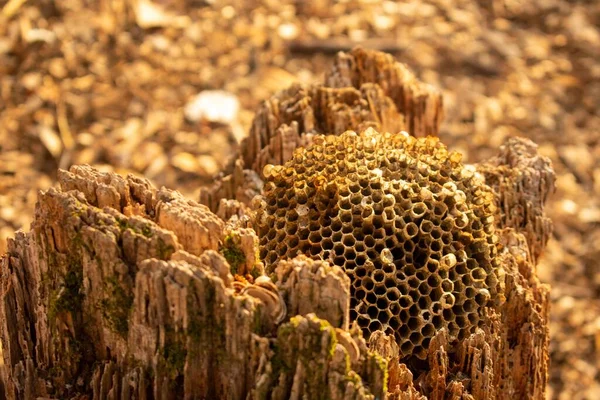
(174, 354)
(164, 250)
(257, 326)
(255, 272)
(145, 229)
(232, 253)
(116, 306)
(195, 325)
(381, 365)
(68, 297)
(123, 224)
(278, 363)
(353, 377)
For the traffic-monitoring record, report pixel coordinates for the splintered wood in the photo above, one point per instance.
(121, 290)
(363, 88)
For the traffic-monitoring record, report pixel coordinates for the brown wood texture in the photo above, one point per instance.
(121, 290)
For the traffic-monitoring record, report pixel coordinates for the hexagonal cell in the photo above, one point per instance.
(414, 282)
(426, 227)
(436, 293)
(424, 289)
(434, 281)
(469, 305)
(478, 275)
(315, 237)
(368, 283)
(447, 301)
(418, 210)
(448, 225)
(378, 276)
(459, 288)
(383, 317)
(389, 215)
(422, 274)
(410, 230)
(439, 209)
(363, 320)
(447, 238)
(382, 303)
(428, 330)
(482, 297)
(424, 303)
(408, 246)
(379, 235)
(350, 254)
(467, 280)
(366, 213)
(415, 338)
(360, 293)
(473, 318)
(327, 244)
(380, 289)
(372, 311)
(409, 270)
(339, 261)
(470, 292)
(462, 321)
(437, 321)
(394, 323)
(348, 240)
(399, 222)
(406, 348)
(436, 246)
(369, 241)
(371, 298)
(315, 249)
(336, 236)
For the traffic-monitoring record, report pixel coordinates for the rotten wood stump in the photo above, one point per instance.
(124, 291)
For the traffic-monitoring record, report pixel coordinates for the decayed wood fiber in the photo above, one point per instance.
(124, 291)
(522, 181)
(108, 302)
(364, 88)
(112, 304)
(421, 104)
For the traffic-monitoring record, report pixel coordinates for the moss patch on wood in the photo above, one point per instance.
(232, 253)
(116, 306)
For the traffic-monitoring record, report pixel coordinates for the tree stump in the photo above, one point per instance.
(122, 291)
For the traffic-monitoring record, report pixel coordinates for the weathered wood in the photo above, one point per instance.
(121, 290)
(363, 89)
(113, 304)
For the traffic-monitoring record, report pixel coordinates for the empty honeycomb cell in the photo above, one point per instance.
(382, 303)
(447, 300)
(473, 318)
(380, 289)
(410, 230)
(412, 227)
(426, 227)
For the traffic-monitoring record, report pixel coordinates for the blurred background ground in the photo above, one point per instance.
(115, 83)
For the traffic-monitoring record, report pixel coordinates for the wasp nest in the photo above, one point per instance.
(412, 227)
